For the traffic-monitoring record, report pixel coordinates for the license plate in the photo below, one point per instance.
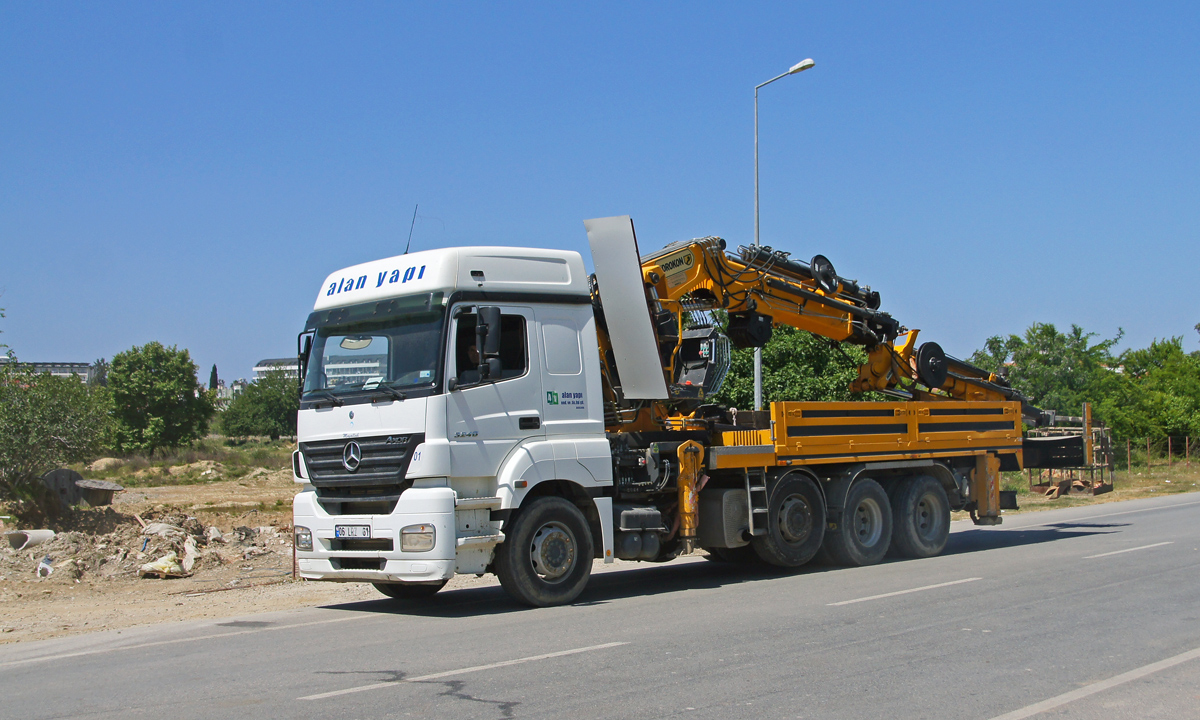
(352, 531)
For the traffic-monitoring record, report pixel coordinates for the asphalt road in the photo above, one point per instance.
(1076, 613)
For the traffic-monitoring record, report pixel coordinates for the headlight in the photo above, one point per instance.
(303, 538)
(417, 538)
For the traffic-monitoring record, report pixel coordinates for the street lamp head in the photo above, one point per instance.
(801, 66)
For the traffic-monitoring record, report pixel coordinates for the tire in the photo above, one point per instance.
(795, 523)
(865, 532)
(920, 518)
(409, 591)
(547, 557)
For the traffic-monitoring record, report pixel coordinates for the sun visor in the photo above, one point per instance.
(619, 274)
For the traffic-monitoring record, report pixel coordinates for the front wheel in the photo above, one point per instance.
(865, 532)
(409, 591)
(547, 556)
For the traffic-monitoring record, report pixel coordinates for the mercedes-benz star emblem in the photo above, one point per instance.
(351, 456)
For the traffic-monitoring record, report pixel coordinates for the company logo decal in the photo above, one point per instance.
(676, 267)
(395, 276)
(566, 399)
(351, 456)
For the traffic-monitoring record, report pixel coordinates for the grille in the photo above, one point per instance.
(374, 486)
(384, 460)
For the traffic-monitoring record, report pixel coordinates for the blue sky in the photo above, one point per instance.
(189, 173)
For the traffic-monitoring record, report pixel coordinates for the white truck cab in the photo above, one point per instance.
(441, 391)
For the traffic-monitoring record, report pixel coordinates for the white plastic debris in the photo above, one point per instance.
(213, 534)
(190, 554)
(44, 568)
(165, 530)
(164, 567)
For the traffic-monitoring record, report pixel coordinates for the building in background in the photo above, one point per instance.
(290, 367)
(84, 371)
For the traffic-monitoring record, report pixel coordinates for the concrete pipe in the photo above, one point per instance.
(21, 539)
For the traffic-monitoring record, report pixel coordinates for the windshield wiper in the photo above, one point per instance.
(389, 390)
(328, 396)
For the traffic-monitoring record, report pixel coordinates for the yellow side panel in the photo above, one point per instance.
(818, 431)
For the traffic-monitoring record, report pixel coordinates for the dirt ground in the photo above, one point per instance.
(237, 533)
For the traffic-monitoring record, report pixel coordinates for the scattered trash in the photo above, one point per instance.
(165, 530)
(190, 554)
(213, 534)
(254, 550)
(44, 568)
(21, 539)
(145, 542)
(164, 567)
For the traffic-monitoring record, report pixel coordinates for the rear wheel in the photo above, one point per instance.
(409, 591)
(547, 556)
(865, 532)
(795, 523)
(920, 518)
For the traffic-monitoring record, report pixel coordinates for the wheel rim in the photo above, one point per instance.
(868, 522)
(552, 551)
(926, 517)
(795, 519)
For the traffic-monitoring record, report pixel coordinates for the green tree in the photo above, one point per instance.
(157, 401)
(797, 365)
(212, 378)
(1145, 392)
(1056, 370)
(1170, 378)
(99, 375)
(45, 422)
(266, 407)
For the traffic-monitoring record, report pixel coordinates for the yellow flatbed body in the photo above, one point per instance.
(822, 433)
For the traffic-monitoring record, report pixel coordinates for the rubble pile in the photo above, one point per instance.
(108, 546)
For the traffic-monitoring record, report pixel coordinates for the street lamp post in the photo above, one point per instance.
(798, 67)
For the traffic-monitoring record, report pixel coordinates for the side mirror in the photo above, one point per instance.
(487, 330)
(451, 384)
(304, 342)
(490, 368)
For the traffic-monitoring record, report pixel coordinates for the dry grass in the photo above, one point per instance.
(1143, 482)
(209, 460)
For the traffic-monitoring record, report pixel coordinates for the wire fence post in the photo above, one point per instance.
(1147, 455)
(1128, 457)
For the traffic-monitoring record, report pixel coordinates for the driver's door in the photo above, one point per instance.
(486, 418)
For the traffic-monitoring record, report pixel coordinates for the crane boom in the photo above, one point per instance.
(760, 287)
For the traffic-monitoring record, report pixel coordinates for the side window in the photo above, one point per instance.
(514, 355)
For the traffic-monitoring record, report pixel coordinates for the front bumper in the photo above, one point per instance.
(431, 506)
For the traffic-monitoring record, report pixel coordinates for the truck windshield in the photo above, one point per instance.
(394, 343)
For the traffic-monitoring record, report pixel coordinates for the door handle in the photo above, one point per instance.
(529, 423)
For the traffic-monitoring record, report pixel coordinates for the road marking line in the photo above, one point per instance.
(1118, 552)
(903, 592)
(463, 671)
(1043, 706)
(156, 643)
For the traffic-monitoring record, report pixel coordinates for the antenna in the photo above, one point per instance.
(410, 229)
